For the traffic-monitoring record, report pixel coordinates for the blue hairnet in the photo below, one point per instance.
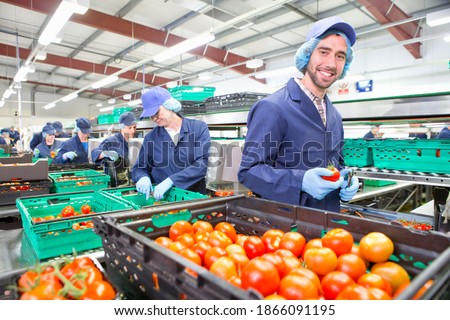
(172, 104)
(303, 53)
(44, 135)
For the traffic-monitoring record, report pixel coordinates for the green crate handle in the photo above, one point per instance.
(70, 174)
(58, 201)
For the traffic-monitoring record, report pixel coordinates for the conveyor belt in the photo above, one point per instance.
(433, 179)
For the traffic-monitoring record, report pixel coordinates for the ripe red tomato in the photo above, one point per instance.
(296, 287)
(338, 240)
(379, 294)
(191, 255)
(86, 208)
(373, 280)
(352, 265)
(219, 239)
(271, 239)
(334, 282)
(201, 247)
(202, 226)
(254, 247)
(224, 267)
(301, 271)
(355, 292)
(335, 176)
(228, 229)
(392, 272)
(294, 242)
(67, 212)
(180, 227)
(163, 241)
(261, 275)
(99, 290)
(376, 247)
(277, 261)
(313, 243)
(186, 239)
(212, 255)
(240, 260)
(320, 260)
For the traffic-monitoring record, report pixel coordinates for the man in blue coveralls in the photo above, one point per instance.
(175, 152)
(75, 150)
(295, 133)
(115, 149)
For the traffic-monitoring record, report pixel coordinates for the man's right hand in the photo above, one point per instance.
(69, 155)
(144, 186)
(316, 186)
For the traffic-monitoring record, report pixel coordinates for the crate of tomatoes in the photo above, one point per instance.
(249, 248)
(78, 278)
(60, 224)
(78, 180)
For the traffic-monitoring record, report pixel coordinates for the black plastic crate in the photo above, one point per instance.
(10, 191)
(136, 260)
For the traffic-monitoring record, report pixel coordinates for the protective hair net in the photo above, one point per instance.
(303, 53)
(75, 129)
(172, 104)
(44, 135)
(122, 126)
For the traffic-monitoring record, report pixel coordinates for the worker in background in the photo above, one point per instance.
(75, 150)
(49, 147)
(60, 130)
(296, 132)
(6, 137)
(2, 140)
(445, 132)
(115, 149)
(373, 133)
(14, 134)
(415, 134)
(37, 138)
(175, 152)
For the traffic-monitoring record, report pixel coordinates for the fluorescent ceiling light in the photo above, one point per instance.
(254, 63)
(205, 75)
(49, 106)
(171, 84)
(99, 104)
(106, 109)
(105, 81)
(184, 46)
(439, 17)
(62, 14)
(69, 97)
(22, 74)
(41, 55)
(127, 96)
(275, 73)
(2, 103)
(447, 38)
(134, 102)
(8, 93)
(111, 101)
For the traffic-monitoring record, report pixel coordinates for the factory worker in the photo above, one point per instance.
(175, 152)
(37, 138)
(6, 137)
(49, 147)
(60, 130)
(115, 149)
(75, 150)
(296, 132)
(445, 132)
(373, 133)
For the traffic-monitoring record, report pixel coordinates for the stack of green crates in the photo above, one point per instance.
(51, 235)
(357, 152)
(78, 180)
(378, 183)
(421, 155)
(118, 111)
(191, 93)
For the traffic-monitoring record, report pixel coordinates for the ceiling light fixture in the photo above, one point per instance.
(62, 14)
(134, 102)
(99, 104)
(127, 96)
(2, 103)
(171, 84)
(112, 101)
(8, 92)
(184, 46)
(447, 38)
(205, 75)
(254, 63)
(22, 73)
(70, 96)
(275, 73)
(105, 82)
(106, 109)
(41, 55)
(50, 105)
(437, 18)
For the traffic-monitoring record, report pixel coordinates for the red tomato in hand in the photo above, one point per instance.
(67, 212)
(86, 208)
(335, 176)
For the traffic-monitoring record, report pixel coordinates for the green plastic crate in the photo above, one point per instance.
(422, 155)
(105, 119)
(119, 111)
(357, 152)
(137, 200)
(55, 237)
(192, 93)
(78, 180)
(377, 183)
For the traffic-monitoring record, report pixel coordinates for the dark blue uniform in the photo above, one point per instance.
(115, 143)
(73, 144)
(286, 137)
(2, 140)
(444, 134)
(185, 163)
(45, 149)
(37, 139)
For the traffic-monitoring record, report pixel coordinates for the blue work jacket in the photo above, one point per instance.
(444, 134)
(185, 163)
(45, 149)
(114, 143)
(73, 144)
(285, 138)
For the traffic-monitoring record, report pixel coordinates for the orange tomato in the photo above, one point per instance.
(261, 275)
(373, 280)
(376, 247)
(392, 272)
(294, 242)
(338, 240)
(296, 287)
(352, 265)
(180, 227)
(228, 229)
(271, 239)
(320, 260)
(334, 282)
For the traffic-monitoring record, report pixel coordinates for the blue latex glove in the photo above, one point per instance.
(69, 155)
(162, 188)
(144, 186)
(317, 187)
(113, 155)
(348, 192)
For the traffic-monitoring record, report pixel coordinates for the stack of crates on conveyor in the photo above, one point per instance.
(229, 102)
(19, 177)
(61, 224)
(143, 269)
(78, 180)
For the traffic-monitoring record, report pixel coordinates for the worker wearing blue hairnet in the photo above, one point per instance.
(75, 150)
(175, 152)
(296, 132)
(49, 147)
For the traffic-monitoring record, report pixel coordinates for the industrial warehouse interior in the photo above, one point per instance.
(95, 68)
